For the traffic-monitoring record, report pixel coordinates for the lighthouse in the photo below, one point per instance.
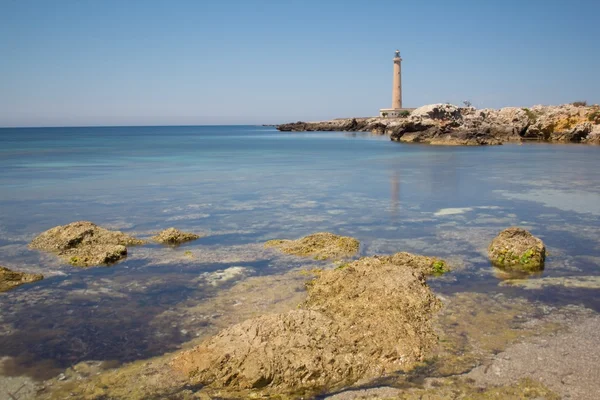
(396, 110)
(397, 82)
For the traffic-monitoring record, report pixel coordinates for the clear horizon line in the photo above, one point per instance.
(123, 126)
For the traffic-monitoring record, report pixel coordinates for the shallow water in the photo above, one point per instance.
(244, 185)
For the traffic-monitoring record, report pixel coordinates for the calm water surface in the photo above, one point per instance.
(243, 185)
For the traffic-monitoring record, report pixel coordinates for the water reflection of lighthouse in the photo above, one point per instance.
(395, 188)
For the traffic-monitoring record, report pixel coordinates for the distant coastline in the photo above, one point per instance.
(446, 124)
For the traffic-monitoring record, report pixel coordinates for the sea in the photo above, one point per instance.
(240, 186)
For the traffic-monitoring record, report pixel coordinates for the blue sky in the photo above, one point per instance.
(105, 62)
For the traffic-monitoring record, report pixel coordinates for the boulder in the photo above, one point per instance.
(517, 249)
(11, 279)
(362, 321)
(564, 123)
(174, 236)
(507, 124)
(85, 244)
(443, 124)
(320, 246)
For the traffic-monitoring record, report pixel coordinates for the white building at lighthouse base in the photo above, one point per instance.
(394, 112)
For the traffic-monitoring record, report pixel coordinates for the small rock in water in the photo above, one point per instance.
(85, 244)
(174, 236)
(11, 279)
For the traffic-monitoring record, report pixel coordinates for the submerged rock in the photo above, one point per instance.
(11, 279)
(222, 276)
(321, 246)
(517, 249)
(578, 282)
(174, 236)
(359, 322)
(85, 244)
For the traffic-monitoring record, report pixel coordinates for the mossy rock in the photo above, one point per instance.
(516, 249)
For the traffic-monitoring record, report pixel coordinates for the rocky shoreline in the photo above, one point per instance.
(447, 124)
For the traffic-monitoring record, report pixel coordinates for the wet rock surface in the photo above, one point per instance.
(446, 124)
(321, 246)
(360, 321)
(85, 244)
(172, 236)
(517, 249)
(11, 279)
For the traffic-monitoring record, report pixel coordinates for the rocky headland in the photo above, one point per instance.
(447, 124)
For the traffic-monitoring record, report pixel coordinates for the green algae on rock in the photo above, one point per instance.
(85, 244)
(517, 249)
(11, 279)
(358, 322)
(172, 236)
(321, 246)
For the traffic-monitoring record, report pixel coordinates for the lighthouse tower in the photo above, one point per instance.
(397, 85)
(396, 110)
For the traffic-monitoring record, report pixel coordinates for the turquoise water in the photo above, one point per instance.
(243, 185)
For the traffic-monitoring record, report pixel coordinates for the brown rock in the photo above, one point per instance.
(517, 249)
(321, 246)
(423, 264)
(84, 243)
(174, 236)
(11, 279)
(361, 321)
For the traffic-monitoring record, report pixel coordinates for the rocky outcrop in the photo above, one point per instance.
(451, 125)
(565, 123)
(361, 321)
(517, 249)
(342, 124)
(85, 244)
(11, 279)
(320, 246)
(172, 236)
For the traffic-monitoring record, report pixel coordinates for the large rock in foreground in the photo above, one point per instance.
(11, 279)
(517, 249)
(321, 246)
(85, 244)
(174, 236)
(361, 321)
